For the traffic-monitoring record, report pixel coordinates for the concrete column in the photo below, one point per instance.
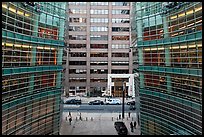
(33, 60)
(67, 76)
(140, 51)
(141, 80)
(139, 30)
(109, 37)
(165, 25)
(88, 49)
(167, 57)
(31, 83)
(139, 21)
(61, 29)
(59, 57)
(59, 79)
(35, 25)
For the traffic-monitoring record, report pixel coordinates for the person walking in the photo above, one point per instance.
(129, 114)
(131, 126)
(119, 116)
(80, 117)
(134, 124)
(70, 114)
(70, 120)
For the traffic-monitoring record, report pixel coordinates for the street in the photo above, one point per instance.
(96, 108)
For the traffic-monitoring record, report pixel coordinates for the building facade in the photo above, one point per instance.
(32, 48)
(98, 42)
(169, 45)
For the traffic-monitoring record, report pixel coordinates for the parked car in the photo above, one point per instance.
(131, 103)
(113, 101)
(96, 102)
(132, 107)
(73, 101)
(121, 128)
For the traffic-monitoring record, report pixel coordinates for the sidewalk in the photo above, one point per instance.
(94, 124)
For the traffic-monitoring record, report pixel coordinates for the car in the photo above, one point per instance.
(73, 101)
(131, 103)
(132, 107)
(112, 101)
(121, 128)
(96, 102)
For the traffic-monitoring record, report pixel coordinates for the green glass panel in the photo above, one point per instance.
(159, 42)
(3, 33)
(182, 38)
(10, 34)
(199, 35)
(18, 36)
(174, 40)
(6, 71)
(27, 38)
(193, 71)
(191, 36)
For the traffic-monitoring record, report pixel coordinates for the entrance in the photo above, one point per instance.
(117, 89)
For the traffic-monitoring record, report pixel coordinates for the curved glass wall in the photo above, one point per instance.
(32, 45)
(169, 45)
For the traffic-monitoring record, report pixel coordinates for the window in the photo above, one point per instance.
(99, 11)
(98, 37)
(99, 28)
(120, 37)
(120, 11)
(118, 29)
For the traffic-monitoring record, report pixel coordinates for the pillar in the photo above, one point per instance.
(61, 29)
(165, 25)
(140, 51)
(167, 57)
(141, 80)
(35, 25)
(59, 57)
(33, 52)
(59, 79)
(139, 21)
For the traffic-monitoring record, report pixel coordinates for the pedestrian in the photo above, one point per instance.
(70, 114)
(129, 114)
(131, 126)
(119, 116)
(134, 124)
(80, 116)
(70, 120)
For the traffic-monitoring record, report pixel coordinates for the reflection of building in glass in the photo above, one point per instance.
(32, 47)
(169, 45)
(99, 41)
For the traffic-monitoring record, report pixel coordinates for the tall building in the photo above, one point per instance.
(32, 47)
(98, 45)
(169, 44)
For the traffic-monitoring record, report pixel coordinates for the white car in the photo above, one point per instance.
(113, 102)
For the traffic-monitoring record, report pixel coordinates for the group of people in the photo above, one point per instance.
(70, 118)
(133, 125)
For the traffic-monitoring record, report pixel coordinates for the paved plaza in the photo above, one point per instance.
(95, 123)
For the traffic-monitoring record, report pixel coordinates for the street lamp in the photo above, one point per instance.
(123, 105)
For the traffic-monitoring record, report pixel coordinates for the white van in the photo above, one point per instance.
(113, 101)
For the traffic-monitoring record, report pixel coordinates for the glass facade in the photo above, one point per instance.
(168, 39)
(32, 48)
